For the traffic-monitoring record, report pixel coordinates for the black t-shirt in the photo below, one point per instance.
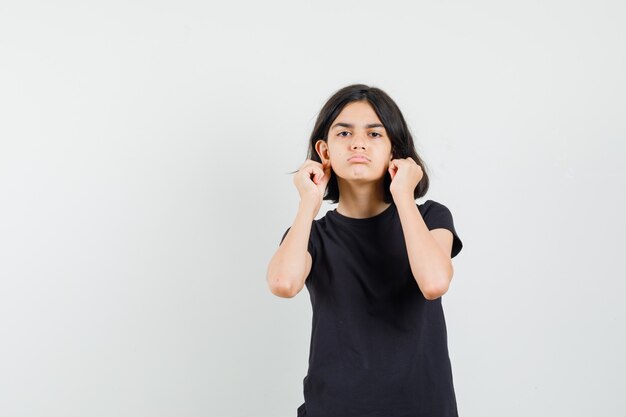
(378, 347)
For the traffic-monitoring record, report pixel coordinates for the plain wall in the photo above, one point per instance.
(145, 151)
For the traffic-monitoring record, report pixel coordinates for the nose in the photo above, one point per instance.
(358, 141)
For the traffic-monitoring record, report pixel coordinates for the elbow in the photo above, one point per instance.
(282, 288)
(434, 293)
(439, 287)
(436, 290)
(436, 283)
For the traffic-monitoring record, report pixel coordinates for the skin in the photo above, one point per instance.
(360, 196)
(360, 183)
(358, 130)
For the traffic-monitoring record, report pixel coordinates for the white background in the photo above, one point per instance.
(144, 157)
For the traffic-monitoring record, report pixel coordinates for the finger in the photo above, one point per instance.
(325, 178)
(319, 175)
(311, 172)
(326, 168)
(315, 176)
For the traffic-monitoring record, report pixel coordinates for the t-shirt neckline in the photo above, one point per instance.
(353, 220)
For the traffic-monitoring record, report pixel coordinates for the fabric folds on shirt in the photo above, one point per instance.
(378, 347)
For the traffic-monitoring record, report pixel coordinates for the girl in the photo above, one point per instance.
(375, 267)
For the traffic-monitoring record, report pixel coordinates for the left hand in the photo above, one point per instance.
(405, 175)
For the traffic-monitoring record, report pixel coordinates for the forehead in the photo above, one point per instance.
(360, 112)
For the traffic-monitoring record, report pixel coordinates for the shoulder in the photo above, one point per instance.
(432, 207)
(438, 216)
(314, 236)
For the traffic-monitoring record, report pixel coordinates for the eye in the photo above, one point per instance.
(379, 135)
(339, 134)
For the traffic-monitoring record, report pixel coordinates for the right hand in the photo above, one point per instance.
(311, 180)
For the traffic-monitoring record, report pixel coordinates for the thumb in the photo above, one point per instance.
(324, 180)
(392, 170)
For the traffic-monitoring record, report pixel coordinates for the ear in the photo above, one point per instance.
(321, 147)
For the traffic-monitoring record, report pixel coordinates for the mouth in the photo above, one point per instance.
(358, 158)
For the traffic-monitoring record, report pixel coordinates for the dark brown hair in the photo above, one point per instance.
(402, 145)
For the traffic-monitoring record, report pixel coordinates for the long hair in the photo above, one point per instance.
(402, 145)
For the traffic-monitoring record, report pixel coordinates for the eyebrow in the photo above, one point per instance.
(351, 126)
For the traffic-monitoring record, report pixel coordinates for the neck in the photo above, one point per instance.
(361, 200)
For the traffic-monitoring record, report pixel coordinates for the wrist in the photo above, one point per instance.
(401, 197)
(308, 208)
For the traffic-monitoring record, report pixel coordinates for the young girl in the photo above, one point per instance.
(375, 267)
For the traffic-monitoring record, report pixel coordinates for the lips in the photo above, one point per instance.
(358, 158)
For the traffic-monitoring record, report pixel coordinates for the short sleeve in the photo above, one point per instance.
(436, 216)
(311, 246)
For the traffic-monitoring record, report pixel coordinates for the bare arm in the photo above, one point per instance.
(291, 263)
(429, 251)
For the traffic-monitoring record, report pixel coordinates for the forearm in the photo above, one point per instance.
(286, 269)
(431, 268)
